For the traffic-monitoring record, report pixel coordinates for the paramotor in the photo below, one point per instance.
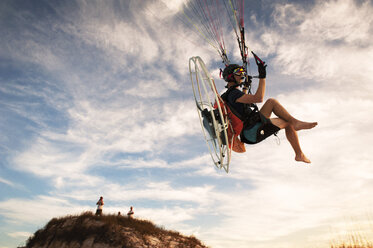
(212, 115)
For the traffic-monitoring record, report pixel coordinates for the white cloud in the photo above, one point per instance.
(332, 41)
(142, 189)
(171, 218)
(43, 208)
(19, 234)
(157, 85)
(7, 182)
(94, 132)
(12, 184)
(45, 159)
(119, 126)
(174, 5)
(131, 129)
(38, 210)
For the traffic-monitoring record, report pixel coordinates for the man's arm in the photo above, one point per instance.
(259, 94)
(257, 97)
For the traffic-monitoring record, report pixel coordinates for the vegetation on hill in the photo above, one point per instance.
(118, 231)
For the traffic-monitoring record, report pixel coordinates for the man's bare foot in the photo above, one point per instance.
(300, 125)
(302, 158)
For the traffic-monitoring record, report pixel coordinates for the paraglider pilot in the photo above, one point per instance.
(235, 76)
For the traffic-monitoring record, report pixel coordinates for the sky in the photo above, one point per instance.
(96, 100)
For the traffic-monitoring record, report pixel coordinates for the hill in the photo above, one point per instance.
(107, 231)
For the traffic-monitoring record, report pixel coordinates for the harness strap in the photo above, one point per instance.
(248, 112)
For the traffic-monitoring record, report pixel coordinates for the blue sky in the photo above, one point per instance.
(95, 99)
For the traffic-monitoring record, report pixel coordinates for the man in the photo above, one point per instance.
(238, 100)
(130, 213)
(100, 205)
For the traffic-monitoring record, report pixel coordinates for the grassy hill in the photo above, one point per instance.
(88, 230)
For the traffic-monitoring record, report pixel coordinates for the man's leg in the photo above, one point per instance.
(273, 106)
(292, 137)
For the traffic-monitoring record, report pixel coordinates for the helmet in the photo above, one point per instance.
(228, 72)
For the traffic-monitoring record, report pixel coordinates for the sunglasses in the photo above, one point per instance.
(239, 71)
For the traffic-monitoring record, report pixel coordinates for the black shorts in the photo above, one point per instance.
(258, 130)
(99, 212)
(269, 129)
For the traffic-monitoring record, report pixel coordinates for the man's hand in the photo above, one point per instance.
(262, 70)
(261, 66)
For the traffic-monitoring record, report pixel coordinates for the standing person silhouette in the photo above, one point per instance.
(100, 205)
(130, 213)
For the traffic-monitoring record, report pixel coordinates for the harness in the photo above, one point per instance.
(251, 117)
